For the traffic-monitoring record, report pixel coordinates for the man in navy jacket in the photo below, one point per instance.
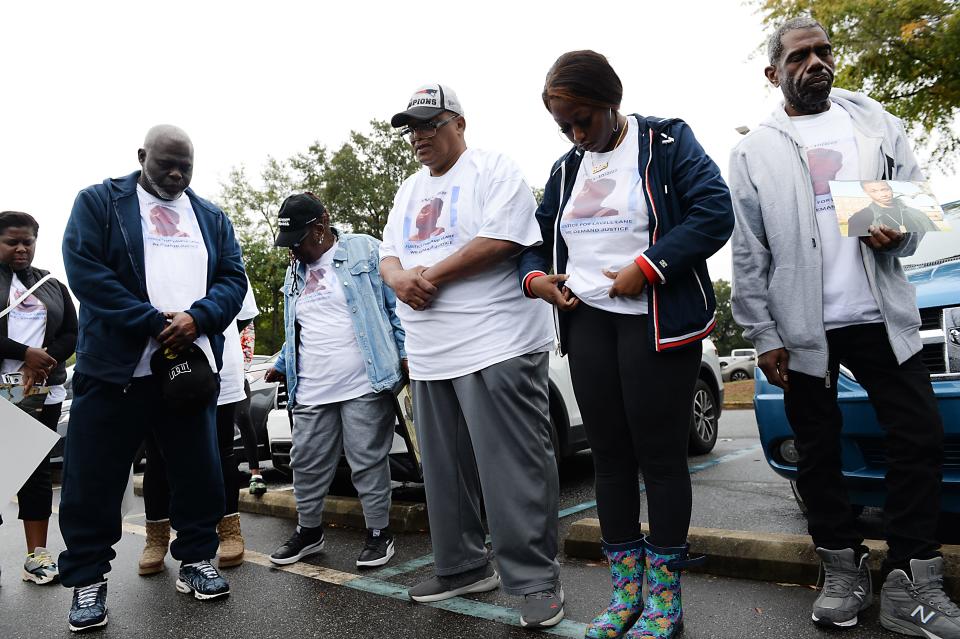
(141, 289)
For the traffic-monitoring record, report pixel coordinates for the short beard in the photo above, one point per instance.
(804, 103)
(163, 194)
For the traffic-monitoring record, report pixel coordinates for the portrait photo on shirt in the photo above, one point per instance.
(908, 207)
(165, 222)
(432, 218)
(589, 202)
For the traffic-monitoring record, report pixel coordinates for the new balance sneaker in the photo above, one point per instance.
(257, 485)
(302, 543)
(378, 550)
(203, 580)
(919, 606)
(39, 567)
(89, 608)
(542, 609)
(846, 588)
(482, 579)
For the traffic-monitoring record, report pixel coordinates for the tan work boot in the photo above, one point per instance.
(158, 540)
(231, 541)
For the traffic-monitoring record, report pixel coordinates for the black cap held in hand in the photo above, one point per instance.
(187, 382)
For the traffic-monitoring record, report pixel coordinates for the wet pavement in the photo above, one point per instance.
(327, 596)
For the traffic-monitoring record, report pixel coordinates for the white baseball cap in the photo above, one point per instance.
(428, 101)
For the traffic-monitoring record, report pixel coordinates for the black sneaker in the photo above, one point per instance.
(89, 608)
(203, 580)
(378, 550)
(302, 543)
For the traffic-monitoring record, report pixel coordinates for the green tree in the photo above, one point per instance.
(362, 178)
(357, 183)
(727, 335)
(902, 52)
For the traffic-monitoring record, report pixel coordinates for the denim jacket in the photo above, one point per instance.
(371, 303)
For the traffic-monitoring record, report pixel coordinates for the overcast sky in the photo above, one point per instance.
(83, 81)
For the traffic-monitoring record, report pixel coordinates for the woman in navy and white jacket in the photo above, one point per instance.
(629, 216)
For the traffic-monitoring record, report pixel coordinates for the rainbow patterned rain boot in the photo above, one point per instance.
(662, 616)
(626, 603)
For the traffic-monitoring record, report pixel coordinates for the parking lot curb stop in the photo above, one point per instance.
(337, 511)
(772, 557)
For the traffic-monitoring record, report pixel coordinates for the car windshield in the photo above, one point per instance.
(937, 248)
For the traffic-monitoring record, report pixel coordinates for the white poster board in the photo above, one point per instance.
(24, 442)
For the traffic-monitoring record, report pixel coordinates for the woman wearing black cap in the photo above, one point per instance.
(342, 359)
(629, 216)
(37, 336)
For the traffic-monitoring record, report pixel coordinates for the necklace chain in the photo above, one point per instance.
(623, 131)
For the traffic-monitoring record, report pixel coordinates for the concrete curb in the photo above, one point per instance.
(337, 511)
(775, 557)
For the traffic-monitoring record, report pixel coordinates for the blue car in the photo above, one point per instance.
(935, 272)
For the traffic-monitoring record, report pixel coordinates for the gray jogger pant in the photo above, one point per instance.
(363, 429)
(489, 432)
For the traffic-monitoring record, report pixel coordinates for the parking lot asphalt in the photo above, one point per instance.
(327, 596)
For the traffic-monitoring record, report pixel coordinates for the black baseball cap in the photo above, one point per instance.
(296, 214)
(428, 101)
(187, 383)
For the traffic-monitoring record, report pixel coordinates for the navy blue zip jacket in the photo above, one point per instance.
(691, 218)
(104, 258)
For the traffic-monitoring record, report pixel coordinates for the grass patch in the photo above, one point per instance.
(737, 392)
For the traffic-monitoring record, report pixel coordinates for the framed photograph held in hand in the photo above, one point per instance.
(907, 207)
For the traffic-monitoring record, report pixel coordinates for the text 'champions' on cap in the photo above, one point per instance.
(427, 102)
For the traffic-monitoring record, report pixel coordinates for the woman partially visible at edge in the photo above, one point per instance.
(634, 300)
(37, 337)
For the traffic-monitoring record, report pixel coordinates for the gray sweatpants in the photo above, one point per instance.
(363, 429)
(489, 432)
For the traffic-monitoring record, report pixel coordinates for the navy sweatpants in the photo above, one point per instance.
(107, 424)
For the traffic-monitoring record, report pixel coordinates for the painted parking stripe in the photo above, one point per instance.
(399, 569)
(737, 454)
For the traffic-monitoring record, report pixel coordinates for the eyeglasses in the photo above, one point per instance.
(424, 130)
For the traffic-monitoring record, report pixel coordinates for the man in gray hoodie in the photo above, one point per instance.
(810, 300)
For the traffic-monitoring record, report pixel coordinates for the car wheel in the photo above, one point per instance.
(739, 376)
(703, 419)
(855, 509)
(555, 441)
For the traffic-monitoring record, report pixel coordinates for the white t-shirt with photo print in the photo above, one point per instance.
(175, 258)
(330, 364)
(479, 320)
(27, 324)
(832, 154)
(605, 224)
(232, 372)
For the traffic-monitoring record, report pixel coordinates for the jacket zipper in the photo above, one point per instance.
(133, 263)
(814, 232)
(653, 235)
(702, 292)
(556, 239)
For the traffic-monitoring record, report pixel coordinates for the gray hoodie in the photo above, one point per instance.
(777, 264)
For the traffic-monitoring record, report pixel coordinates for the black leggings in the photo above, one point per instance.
(245, 425)
(636, 407)
(156, 487)
(36, 496)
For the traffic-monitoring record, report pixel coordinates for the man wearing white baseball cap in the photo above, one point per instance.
(478, 353)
